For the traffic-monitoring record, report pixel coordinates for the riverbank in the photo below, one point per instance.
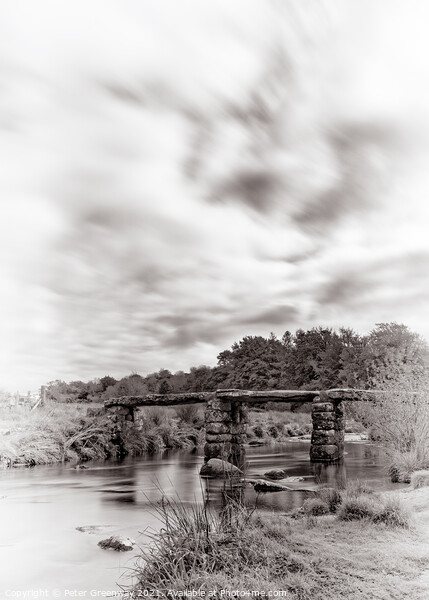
(76, 432)
(79, 432)
(383, 556)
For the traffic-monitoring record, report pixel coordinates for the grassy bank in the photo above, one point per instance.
(64, 432)
(379, 550)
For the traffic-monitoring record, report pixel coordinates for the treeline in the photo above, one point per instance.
(319, 358)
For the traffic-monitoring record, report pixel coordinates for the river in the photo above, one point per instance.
(41, 507)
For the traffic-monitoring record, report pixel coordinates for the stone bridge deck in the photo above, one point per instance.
(226, 416)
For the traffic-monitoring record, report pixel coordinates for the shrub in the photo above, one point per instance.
(399, 420)
(273, 431)
(420, 478)
(358, 507)
(189, 414)
(403, 464)
(315, 507)
(331, 496)
(392, 513)
(156, 415)
(258, 431)
(357, 487)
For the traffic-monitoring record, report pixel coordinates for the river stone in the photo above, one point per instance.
(260, 485)
(216, 467)
(275, 474)
(324, 452)
(216, 404)
(324, 436)
(213, 450)
(216, 428)
(217, 416)
(324, 420)
(218, 438)
(116, 542)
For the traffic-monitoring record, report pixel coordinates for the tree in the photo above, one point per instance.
(393, 350)
(106, 382)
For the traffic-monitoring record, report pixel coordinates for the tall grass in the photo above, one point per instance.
(52, 434)
(310, 558)
(63, 432)
(277, 425)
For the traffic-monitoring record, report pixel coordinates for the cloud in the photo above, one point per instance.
(178, 176)
(276, 316)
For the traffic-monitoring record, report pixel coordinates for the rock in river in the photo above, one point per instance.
(275, 474)
(216, 467)
(116, 542)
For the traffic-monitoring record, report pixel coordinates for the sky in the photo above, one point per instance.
(177, 174)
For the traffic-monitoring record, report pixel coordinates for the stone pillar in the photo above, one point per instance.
(239, 412)
(225, 430)
(121, 419)
(327, 439)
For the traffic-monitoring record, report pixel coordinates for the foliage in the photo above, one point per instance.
(402, 465)
(277, 425)
(315, 506)
(319, 358)
(191, 414)
(243, 549)
(420, 478)
(332, 497)
(399, 418)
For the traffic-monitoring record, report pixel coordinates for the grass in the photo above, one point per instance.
(420, 479)
(273, 425)
(310, 558)
(51, 434)
(402, 465)
(63, 432)
(399, 421)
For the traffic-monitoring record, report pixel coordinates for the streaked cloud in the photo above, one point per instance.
(176, 176)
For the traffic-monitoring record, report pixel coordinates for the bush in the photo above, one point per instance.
(331, 496)
(258, 431)
(420, 478)
(357, 487)
(403, 464)
(355, 508)
(273, 431)
(392, 513)
(189, 414)
(399, 420)
(315, 507)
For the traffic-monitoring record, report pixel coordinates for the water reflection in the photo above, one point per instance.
(333, 475)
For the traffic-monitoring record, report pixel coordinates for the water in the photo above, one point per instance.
(40, 547)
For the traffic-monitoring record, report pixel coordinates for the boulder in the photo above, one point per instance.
(118, 543)
(216, 467)
(260, 485)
